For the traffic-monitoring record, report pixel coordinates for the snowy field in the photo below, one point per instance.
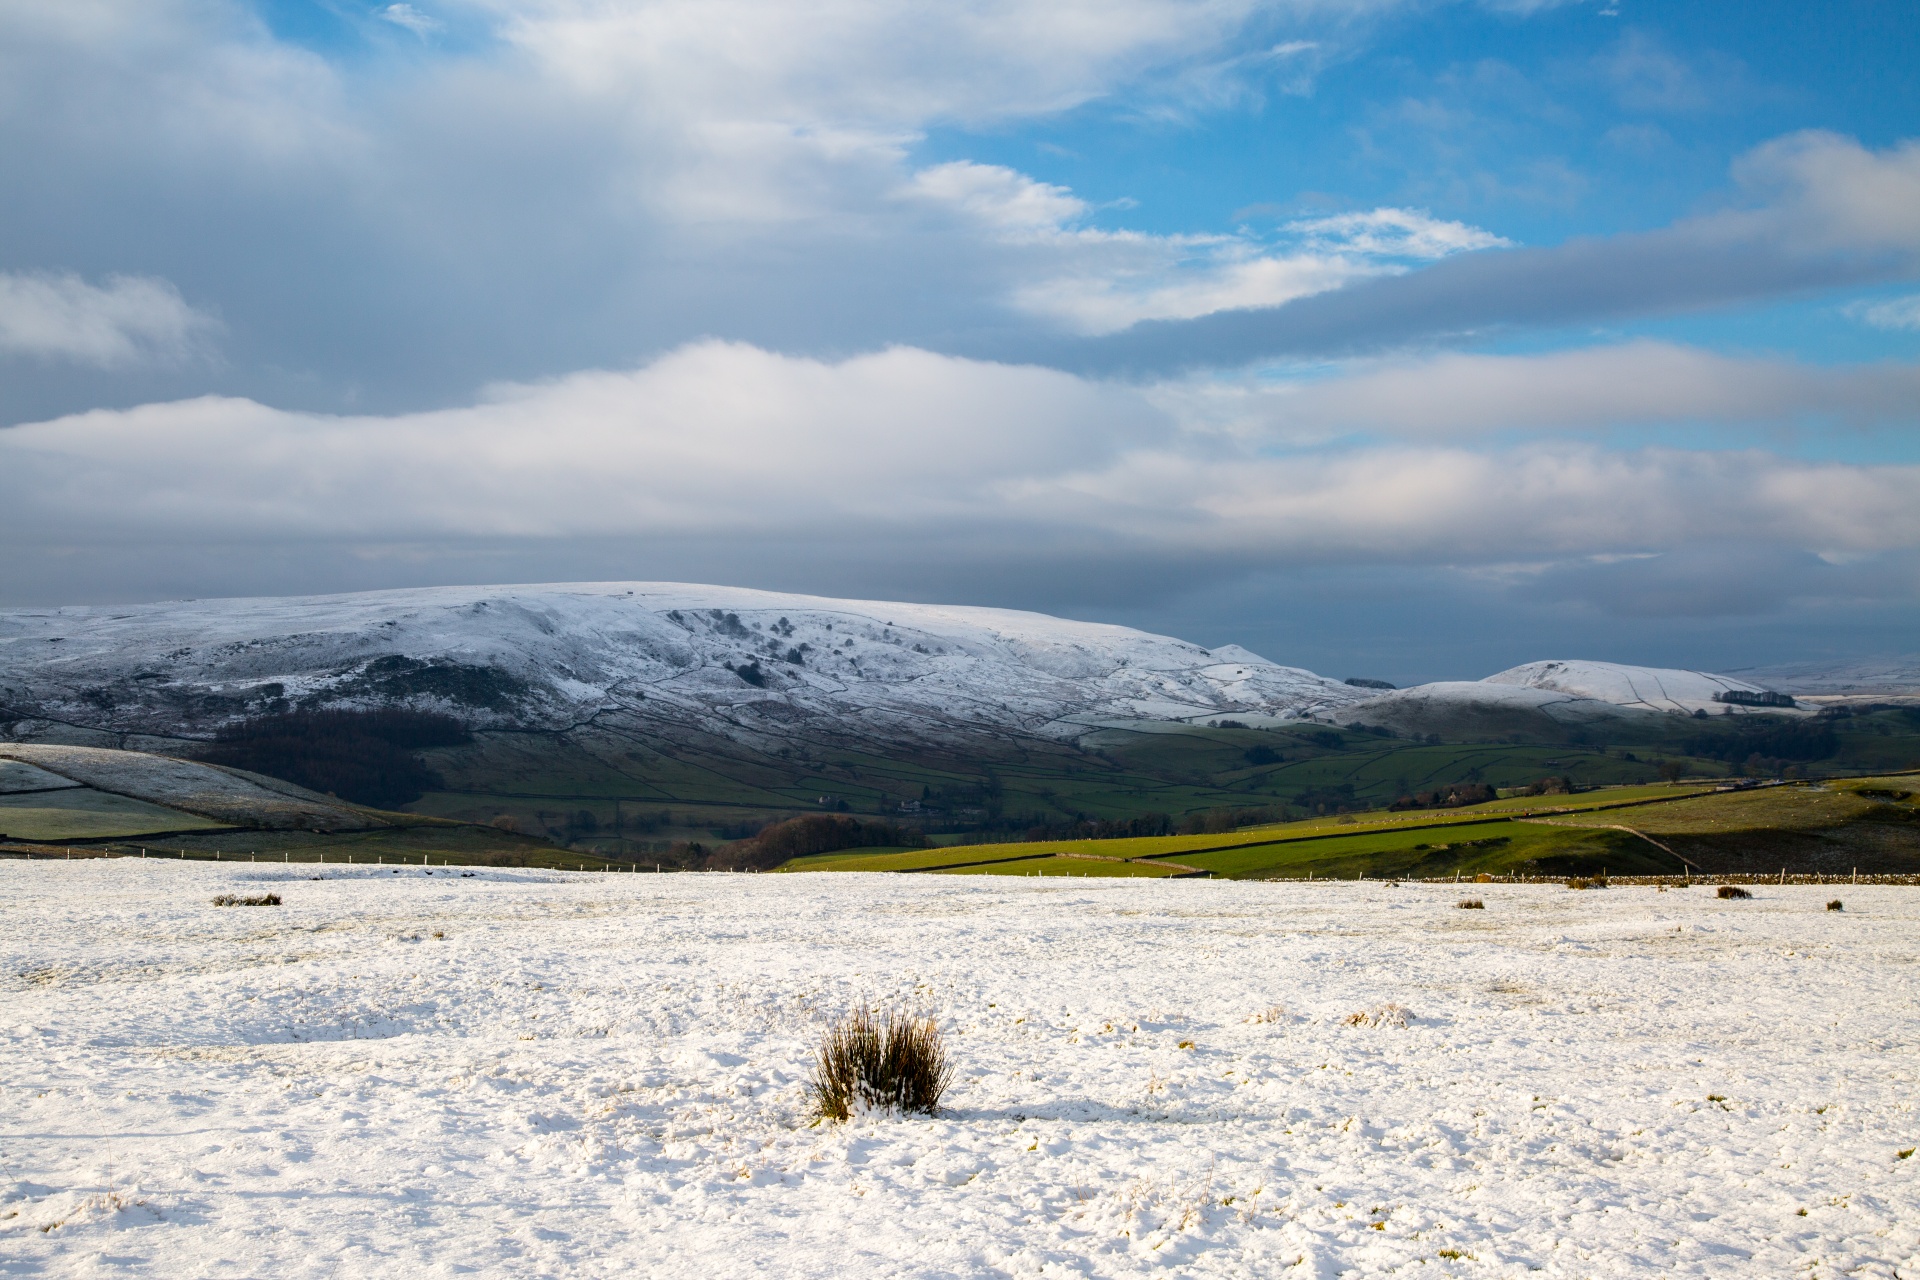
(530, 1074)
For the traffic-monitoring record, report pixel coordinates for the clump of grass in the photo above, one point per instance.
(1733, 891)
(235, 900)
(866, 1063)
(1587, 882)
(1272, 1013)
(1381, 1015)
(1835, 905)
(1471, 904)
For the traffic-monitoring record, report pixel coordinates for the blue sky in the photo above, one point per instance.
(1429, 336)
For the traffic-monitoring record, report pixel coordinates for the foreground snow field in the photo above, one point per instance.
(530, 1074)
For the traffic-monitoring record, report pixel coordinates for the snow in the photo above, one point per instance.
(1569, 692)
(1646, 688)
(511, 1073)
(556, 655)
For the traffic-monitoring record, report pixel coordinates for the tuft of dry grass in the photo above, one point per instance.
(867, 1063)
(235, 900)
(1471, 904)
(1272, 1013)
(1381, 1015)
(1733, 891)
(1835, 905)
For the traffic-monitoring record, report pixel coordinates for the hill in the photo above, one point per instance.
(1549, 698)
(763, 669)
(641, 720)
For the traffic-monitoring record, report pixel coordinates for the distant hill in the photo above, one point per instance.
(762, 668)
(1896, 677)
(1538, 695)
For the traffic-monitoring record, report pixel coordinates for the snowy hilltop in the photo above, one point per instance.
(751, 665)
(1565, 692)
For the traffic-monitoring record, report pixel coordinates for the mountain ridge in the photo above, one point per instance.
(548, 656)
(762, 668)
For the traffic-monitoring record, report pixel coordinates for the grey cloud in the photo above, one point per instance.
(1627, 384)
(1582, 281)
(1727, 579)
(1829, 214)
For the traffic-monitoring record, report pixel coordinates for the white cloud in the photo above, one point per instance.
(1165, 278)
(725, 441)
(1001, 199)
(1099, 281)
(1824, 192)
(405, 15)
(1888, 313)
(1394, 233)
(867, 64)
(128, 321)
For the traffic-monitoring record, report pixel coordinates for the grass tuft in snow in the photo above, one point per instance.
(1835, 905)
(1471, 904)
(864, 1063)
(1733, 891)
(1381, 1015)
(235, 900)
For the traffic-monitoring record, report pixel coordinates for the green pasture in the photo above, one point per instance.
(1044, 866)
(1497, 848)
(544, 782)
(1345, 826)
(1795, 807)
(81, 813)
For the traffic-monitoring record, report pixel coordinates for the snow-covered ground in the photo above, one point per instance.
(530, 1074)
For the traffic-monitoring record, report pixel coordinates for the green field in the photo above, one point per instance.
(1607, 831)
(1044, 866)
(1416, 826)
(624, 793)
(589, 791)
(80, 813)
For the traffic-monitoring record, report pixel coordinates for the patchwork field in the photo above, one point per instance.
(513, 1073)
(1870, 823)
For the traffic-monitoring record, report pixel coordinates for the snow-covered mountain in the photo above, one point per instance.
(1568, 693)
(756, 666)
(1644, 688)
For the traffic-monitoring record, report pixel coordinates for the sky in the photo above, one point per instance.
(1395, 338)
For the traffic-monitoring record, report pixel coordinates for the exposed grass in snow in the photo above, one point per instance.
(590, 1075)
(866, 1063)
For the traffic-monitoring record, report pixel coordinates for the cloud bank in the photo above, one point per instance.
(724, 441)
